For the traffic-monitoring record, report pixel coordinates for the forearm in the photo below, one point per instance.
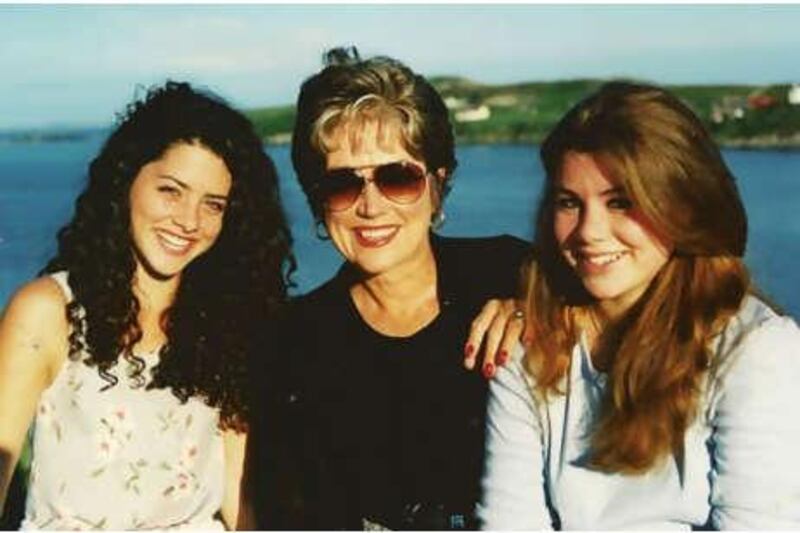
(234, 459)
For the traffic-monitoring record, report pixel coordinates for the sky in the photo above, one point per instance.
(78, 65)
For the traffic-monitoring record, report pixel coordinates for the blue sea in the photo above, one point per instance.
(495, 191)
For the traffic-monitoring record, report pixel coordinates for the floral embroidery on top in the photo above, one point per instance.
(106, 458)
(46, 414)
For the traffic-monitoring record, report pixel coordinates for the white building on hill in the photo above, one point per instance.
(473, 114)
(794, 94)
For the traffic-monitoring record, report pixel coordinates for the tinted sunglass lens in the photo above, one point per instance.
(340, 189)
(401, 183)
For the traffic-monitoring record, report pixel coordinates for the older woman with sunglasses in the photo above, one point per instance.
(375, 421)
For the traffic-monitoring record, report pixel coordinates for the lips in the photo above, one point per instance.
(597, 262)
(375, 236)
(174, 244)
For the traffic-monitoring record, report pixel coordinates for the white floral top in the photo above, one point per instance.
(123, 458)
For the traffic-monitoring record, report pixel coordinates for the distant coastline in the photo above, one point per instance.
(738, 116)
(48, 135)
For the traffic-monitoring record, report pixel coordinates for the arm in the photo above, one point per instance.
(756, 432)
(234, 444)
(247, 500)
(33, 344)
(513, 481)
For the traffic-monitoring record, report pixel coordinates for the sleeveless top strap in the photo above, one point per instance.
(62, 278)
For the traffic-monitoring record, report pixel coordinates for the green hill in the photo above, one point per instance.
(737, 115)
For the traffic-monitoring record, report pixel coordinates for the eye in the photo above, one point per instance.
(216, 207)
(565, 201)
(169, 191)
(620, 203)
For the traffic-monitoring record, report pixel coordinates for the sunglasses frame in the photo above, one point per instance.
(323, 197)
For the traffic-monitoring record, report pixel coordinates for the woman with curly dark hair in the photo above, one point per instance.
(129, 353)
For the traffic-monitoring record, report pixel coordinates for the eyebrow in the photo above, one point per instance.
(608, 192)
(185, 186)
(371, 165)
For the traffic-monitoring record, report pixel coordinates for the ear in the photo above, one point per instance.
(436, 191)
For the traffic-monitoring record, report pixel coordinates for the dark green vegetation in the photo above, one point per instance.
(737, 115)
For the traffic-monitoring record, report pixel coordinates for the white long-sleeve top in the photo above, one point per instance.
(741, 466)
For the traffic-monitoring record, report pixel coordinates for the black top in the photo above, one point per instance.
(361, 429)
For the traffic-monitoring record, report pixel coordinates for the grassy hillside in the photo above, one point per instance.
(737, 115)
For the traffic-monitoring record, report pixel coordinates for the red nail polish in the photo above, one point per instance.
(488, 370)
(468, 349)
(502, 357)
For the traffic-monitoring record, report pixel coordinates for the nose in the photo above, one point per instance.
(593, 225)
(370, 201)
(187, 216)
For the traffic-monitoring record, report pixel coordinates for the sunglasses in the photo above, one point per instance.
(400, 182)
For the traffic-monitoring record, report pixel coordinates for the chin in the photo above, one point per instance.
(603, 291)
(162, 268)
(377, 264)
(162, 273)
(372, 268)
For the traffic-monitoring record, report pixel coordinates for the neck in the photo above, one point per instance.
(155, 296)
(603, 326)
(401, 301)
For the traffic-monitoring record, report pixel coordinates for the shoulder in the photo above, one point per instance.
(35, 322)
(758, 354)
(313, 324)
(506, 245)
(486, 267)
(326, 299)
(39, 301)
(758, 332)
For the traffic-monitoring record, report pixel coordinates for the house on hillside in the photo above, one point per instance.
(730, 108)
(793, 96)
(761, 101)
(473, 114)
(453, 103)
(502, 100)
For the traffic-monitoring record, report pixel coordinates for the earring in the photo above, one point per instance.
(321, 231)
(438, 218)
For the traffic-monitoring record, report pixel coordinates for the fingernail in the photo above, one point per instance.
(502, 357)
(468, 349)
(488, 370)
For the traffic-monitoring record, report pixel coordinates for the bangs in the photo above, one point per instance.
(644, 175)
(369, 115)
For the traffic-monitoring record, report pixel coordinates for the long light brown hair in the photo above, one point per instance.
(663, 157)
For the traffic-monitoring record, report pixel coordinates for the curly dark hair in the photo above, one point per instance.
(351, 86)
(225, 295)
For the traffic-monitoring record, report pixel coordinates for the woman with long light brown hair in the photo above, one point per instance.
(658, 391)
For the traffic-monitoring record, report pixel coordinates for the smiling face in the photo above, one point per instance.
(177, 204)
(375, 234)
(603, 235)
